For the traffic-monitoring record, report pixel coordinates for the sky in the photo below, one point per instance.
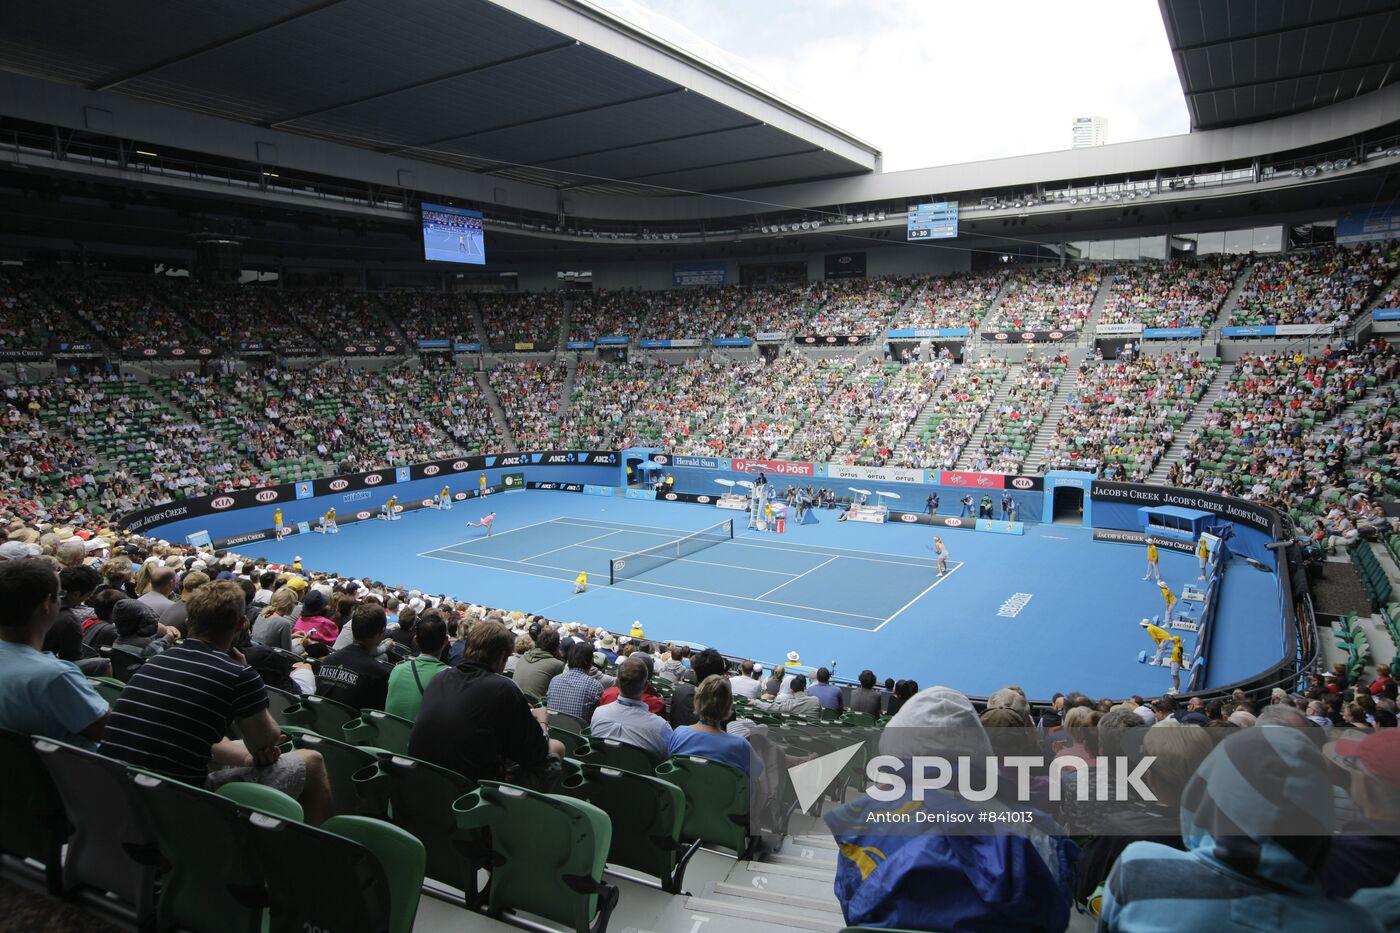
(936, 82)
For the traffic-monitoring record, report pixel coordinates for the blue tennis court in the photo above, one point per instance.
(809, 583)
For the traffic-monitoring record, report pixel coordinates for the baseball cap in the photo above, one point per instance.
(1377, 755)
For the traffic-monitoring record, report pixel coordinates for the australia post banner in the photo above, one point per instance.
(1236, 510)
(775, 467)
(976, 480)
(871, 474)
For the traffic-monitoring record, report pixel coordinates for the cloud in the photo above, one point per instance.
(935, 83)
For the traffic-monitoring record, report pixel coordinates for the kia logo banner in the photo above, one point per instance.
(431, 470)
(221, 502)
(374, 479)
(338, 484)
(1026, 336)
(704, 500)
(267, 495)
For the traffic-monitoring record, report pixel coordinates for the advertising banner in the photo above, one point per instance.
(1386, 314)
(678, 344)
(733, 341)
(977, 480)
(592, 490)
(943, 521)
(1373, 223)
(699, 463)
(832, 340)
(369, 349)
(1255, 330)
(22, 356)
(1130, 328)
(771, 336)
(1137, 537)
(434, 344)
(354, 481)
(614, 340)
(558, 487)
(1001, 527)
(1026, 336)
(927, 333)
(473, 347)
(640, 494)
(580, 345)
(167, 353)
(1256, 516)
(776, 467)
(1172, 333)
(872, 474)
(1303, 330)
(686, 497)
(527, 346)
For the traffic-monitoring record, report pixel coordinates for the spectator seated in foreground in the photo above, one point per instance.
(628, 719)
(714, 706)
(174, 714)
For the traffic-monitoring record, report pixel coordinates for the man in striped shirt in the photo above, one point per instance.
(173, 716)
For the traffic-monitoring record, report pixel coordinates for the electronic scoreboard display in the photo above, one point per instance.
(935, 221)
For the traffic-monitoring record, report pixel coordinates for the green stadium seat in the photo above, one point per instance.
(380, 730)
(33, 823)
(548, 853)
(109, 688)
(343, 762)
(716, 801)
(616, 754)
(319, 714)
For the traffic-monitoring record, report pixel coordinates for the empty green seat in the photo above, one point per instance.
(380, 730)
(418, 797)
(647, 814)
(343, 761)
(33, 824)
(716, 801)
(616, 754)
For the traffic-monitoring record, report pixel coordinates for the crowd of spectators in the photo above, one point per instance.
(960, 300)
(888, 398)
(1279, 435)
(861, 307)
(139, 314)
(659, 404)
(1012, 425)
(604, 313)
(530, 396)
(958, 403)
(1043, 298)
(256, 317)
(30, 318)
(773, 406)
(1328, 285)
(425, 315)
(1169, 294)
(532, 318)
(1123, 415)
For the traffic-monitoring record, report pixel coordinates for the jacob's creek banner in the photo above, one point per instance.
(1238, 510)
(1137, 537)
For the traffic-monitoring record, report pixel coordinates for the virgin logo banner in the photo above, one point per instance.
(977, 480)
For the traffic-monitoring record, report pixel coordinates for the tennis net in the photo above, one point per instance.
(639, 562)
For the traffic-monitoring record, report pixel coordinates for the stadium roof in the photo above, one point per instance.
(1246, 60)
(554, 92)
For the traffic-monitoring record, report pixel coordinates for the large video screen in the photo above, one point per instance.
(936, 221)
(451, 234)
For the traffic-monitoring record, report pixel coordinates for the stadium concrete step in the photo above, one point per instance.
(984, 423)
(498, 414)
(1105, 290)
(479, 325)
(564, 324)
(566, 388)
(1231, 303)
(1051, 424)
(1193, 424)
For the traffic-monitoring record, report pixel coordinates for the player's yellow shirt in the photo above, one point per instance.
(1151, 553)
(330, 515)
(1158, 634)
(1176, 657)
(1167, 595)
(582, 579)
(277, 517)
(445, 491)
(1203, 550)
(393, 501)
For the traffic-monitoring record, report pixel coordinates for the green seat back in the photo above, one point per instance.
(647, 814)
(616, 754)
(548, 853)
(353, 873)
(571, 741)
(112, 849)
(716, 800)
(319, 714)
(109, 688)
(417, 796)
(265, 799)
(32, 820)
(381, 730)
(125, 661)
(342, 760)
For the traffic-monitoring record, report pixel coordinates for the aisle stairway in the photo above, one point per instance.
(498, 414)
(1193, 424)
(921, 420)
(566, 388)
(1052, 418)
(1086, 333)
(1227, 308)
(974, 443)
(563, 342)
(478, 324)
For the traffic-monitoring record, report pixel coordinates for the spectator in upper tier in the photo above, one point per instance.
(173, 716)
(796, 701)
(714, 706)
(475, 722)
(352, 675)
(40, 695)
(1257, 820)
(575, 693)
(745, 684)
(541, 664)
(827, 693)
(409, 679)
(627, 719)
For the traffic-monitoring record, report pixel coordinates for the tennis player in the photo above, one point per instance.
(445, 498)
(940, 550)
(328, 525)
(1152, 569)
(581, 582)
(485, 522)
(277, 523)
(387, 509)
(1169, 598)
(1203, 552)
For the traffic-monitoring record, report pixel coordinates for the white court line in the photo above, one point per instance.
(678, 599)
(691, 560)
(799, 576)
(689, 589)
(583, 543)
(819, 550)
(449, 547)
(959, 566)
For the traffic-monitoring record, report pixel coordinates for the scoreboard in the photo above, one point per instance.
(935, 221)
